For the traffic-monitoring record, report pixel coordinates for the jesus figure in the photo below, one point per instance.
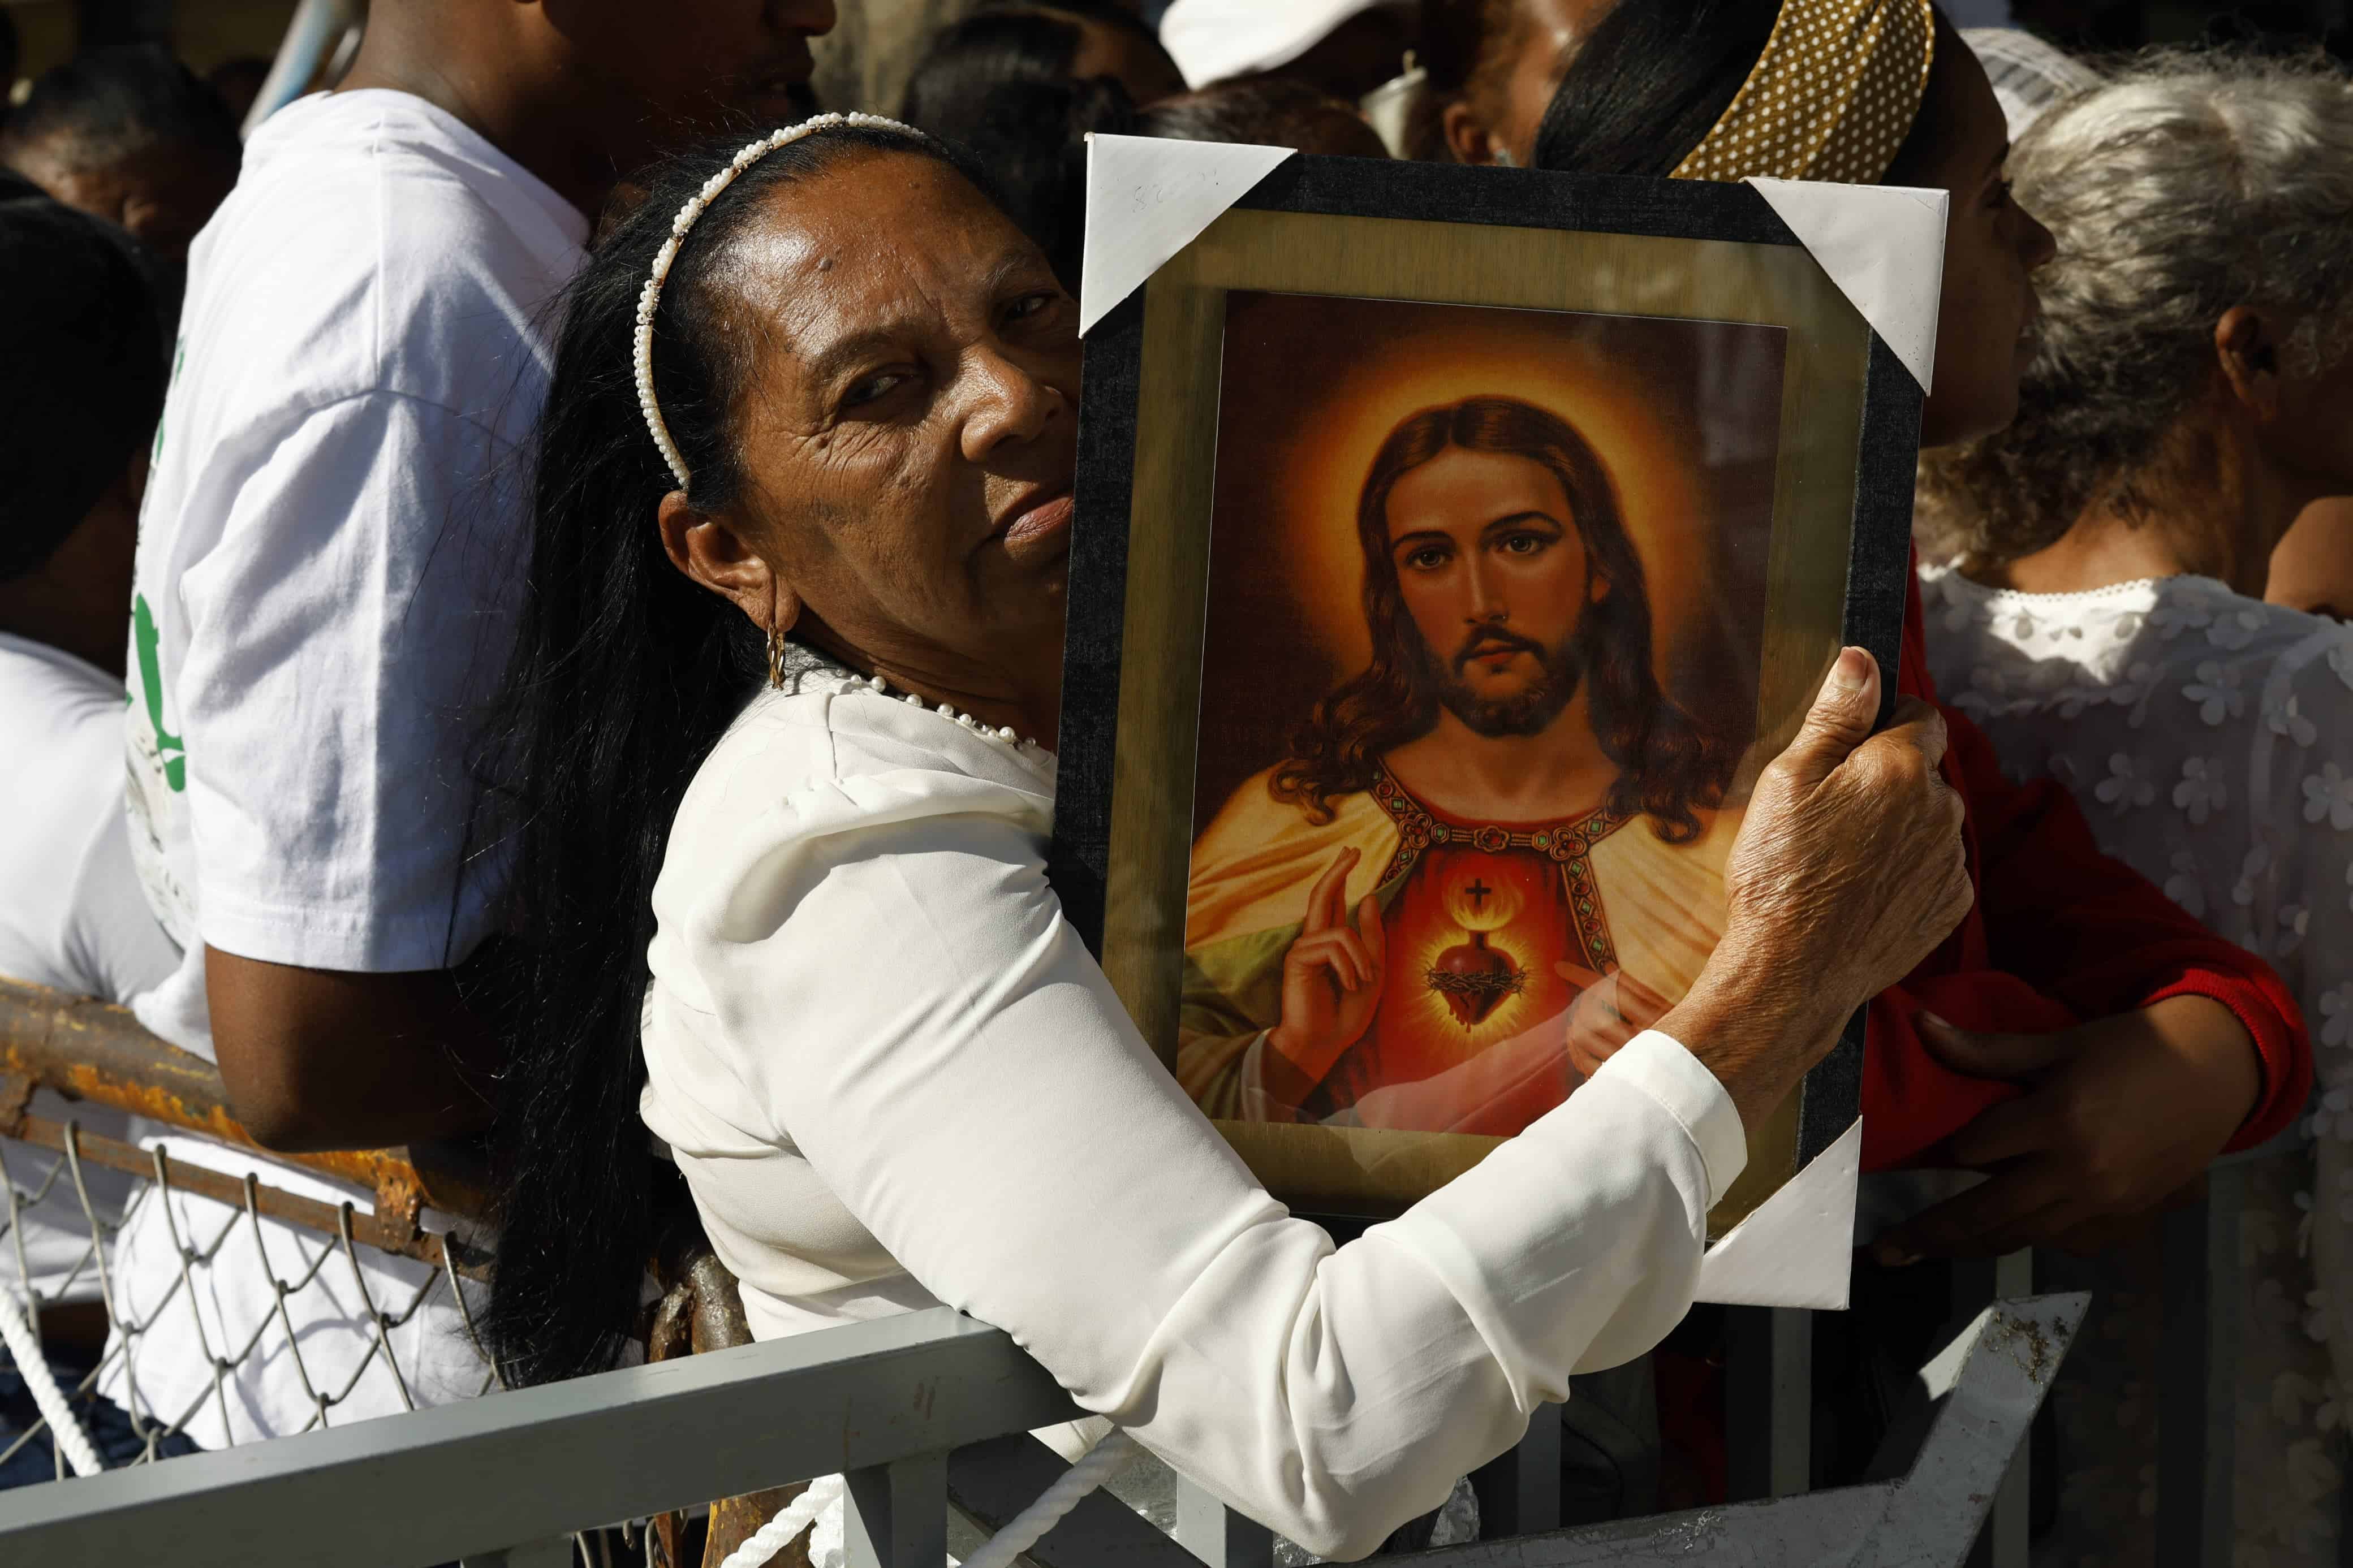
(1501, 835)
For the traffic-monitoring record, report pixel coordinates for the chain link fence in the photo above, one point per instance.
(195, 1291)
(192, 1292)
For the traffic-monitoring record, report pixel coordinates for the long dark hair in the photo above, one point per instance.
(1653, 77)
(626, 675)
(1669, 765)
(1650, 82)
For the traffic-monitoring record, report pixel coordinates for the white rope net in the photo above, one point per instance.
(177, 1319)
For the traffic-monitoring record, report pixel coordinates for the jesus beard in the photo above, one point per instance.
(1528, 711)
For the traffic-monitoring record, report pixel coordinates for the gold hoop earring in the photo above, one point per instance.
(775, 659)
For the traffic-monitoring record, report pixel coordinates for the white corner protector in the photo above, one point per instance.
(1147, 198)
(1796, 1247)
(1884, 246)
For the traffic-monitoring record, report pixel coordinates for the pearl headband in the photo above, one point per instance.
(1831, 97)
(650, 297)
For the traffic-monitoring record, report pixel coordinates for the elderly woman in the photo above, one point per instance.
(2193, 393)
(2073, 970)
(791, 685)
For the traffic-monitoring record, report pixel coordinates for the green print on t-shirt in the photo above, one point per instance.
(168, 746)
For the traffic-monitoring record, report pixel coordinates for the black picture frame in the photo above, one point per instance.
(1877, 568)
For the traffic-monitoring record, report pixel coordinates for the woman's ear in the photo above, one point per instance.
(708, 547)
(2247, 352)
(1466, 135)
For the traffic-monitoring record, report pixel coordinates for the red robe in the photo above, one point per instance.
(2060, 934)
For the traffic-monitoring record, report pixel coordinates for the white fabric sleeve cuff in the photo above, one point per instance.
(1657, 1064)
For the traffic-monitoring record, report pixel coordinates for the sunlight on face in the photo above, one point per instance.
(1490, 564)
(910, 436)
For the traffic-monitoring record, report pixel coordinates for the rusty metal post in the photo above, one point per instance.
(93, 1050)
(702, 1310)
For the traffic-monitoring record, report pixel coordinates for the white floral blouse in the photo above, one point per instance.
(2209, 739)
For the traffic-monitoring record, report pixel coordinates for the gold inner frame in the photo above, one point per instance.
(1339, 1170)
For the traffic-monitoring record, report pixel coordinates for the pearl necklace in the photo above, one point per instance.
(1005, 732)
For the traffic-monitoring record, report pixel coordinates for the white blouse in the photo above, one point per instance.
(893, 1076)
(2209, 738)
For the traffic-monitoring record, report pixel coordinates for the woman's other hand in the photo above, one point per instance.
(2124, 1113)
(1847, 871)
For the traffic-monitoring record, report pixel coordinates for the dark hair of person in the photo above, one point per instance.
(1648, 82)
(85, 357)
(625, 674)
(997, 84)
(1266, 111)
(1652, 78)
(239, 81)
(1669, 765)
(1002, 42)
(107, 104)
(1457, 38)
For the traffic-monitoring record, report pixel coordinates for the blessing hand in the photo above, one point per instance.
(2124, 1114)
(1331, 976)
(1608, 1010)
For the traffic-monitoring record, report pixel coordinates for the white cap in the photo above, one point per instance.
(1213, 40)
(2028, 75)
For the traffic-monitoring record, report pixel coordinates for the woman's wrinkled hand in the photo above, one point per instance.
(1847, 871)
(1849, 867)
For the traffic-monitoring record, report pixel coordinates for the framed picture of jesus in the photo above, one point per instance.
(1454, 547)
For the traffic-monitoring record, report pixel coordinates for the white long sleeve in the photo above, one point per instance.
(875, 1045)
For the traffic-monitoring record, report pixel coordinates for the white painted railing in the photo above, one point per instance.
(911, 1410)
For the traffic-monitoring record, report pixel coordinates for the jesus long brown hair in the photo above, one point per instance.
(1670, 766)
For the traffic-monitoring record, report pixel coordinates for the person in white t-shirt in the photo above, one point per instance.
(85, 358)
(329, 558)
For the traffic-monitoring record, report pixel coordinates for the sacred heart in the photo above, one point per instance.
(1474, 979)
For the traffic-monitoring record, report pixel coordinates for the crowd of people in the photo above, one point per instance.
(536, 621)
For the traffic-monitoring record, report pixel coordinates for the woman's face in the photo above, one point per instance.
(1985, 324)
(909, 433)
(1491, 568)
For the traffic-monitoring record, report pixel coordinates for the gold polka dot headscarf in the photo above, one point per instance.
(1832, 98)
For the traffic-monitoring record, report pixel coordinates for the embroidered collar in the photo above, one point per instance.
(1419, 826)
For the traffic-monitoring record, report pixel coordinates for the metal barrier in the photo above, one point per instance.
(898, 1406)
(99, 1055)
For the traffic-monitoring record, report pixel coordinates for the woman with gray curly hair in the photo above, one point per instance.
(2104, 622)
